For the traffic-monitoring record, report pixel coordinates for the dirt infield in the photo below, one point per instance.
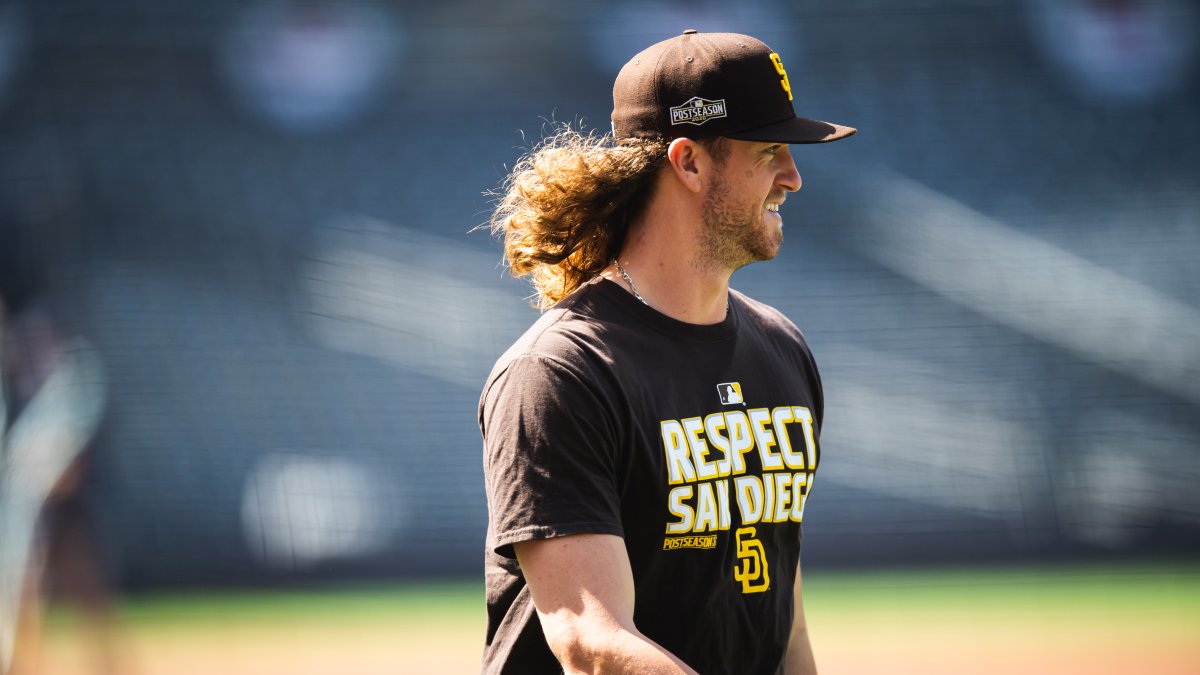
(292, 648)
(985, 648)
(872, 645)
(867, 647)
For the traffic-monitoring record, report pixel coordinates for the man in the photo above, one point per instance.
(51, 403)
(650, 442)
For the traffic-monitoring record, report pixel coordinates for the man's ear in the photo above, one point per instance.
(690, 163)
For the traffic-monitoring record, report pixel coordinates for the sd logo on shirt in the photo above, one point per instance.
(752, 570)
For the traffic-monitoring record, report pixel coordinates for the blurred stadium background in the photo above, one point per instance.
(255, 219)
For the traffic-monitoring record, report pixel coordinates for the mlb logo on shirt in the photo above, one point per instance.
(730, 392)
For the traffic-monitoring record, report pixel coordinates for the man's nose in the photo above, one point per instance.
(789, 179)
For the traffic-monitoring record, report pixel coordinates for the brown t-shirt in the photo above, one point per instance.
(696, 444)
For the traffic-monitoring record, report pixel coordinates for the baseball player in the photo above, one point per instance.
(650, 443)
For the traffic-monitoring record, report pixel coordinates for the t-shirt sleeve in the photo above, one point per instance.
(549, 455)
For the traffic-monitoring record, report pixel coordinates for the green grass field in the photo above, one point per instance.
(1081, 619)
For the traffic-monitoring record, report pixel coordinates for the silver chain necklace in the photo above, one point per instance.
(628, 280)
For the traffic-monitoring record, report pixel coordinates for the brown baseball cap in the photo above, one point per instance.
(703, 85)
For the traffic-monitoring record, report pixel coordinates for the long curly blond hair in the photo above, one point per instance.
(567, 205)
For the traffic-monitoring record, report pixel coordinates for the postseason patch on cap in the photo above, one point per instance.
(697, 111)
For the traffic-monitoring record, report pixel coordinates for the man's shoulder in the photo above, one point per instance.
(571, 332)
(764, 316)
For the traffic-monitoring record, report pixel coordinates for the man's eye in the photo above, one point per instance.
(774, 149)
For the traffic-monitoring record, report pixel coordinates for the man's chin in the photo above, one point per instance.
(772, 248)
(766, 251)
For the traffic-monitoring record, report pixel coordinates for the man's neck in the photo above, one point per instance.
(663, 265)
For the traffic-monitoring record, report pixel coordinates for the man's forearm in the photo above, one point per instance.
(618, 652)
(799, 659)
(582, 587)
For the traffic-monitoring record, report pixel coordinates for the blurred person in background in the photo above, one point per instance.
(52, 389)
(593, 440)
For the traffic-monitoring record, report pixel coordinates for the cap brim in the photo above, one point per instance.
(795, 130)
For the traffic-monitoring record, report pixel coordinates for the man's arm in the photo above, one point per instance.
(583, 590)
(799, 659)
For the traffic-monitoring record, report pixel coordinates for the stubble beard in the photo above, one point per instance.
(733, 236)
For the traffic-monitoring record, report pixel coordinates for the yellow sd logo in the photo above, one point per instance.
(787, 86)
(752, 570)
